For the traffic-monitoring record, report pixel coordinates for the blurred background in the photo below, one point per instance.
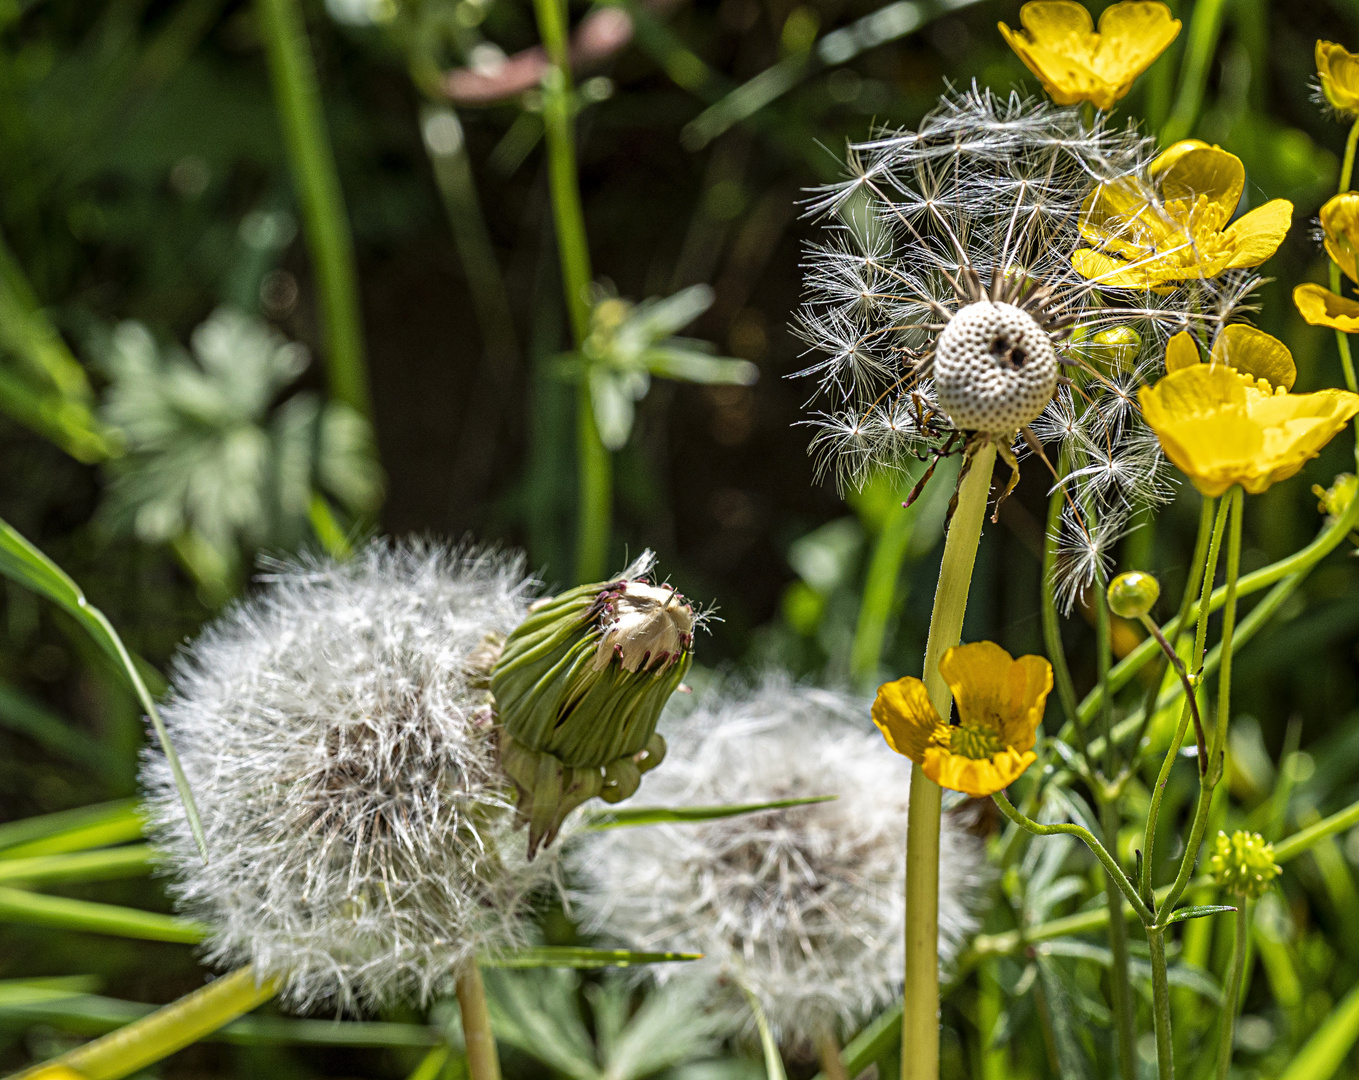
(172, 407)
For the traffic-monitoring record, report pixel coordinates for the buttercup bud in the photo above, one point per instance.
(1336, 499)
(1243, 863)
(1133, 594)
(578, 688)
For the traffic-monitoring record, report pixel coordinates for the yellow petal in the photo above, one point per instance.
(1256, 353)
(1166, 158)
(1338, 69)
(979, 677)
(1132, 35)
(1340, 229)
(1256, 235)
(1321, 307)
(1209, 173)
(903, 713)
(1181, 351)
(1030, 679)
(977, 778)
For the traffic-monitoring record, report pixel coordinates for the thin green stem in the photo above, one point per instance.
(1104, 661)
(143, 1042)
(773, 1062)
(1052, 629)
(38, 909)
(880, 593)
(311, 159)
(1091, 841)
(594, 496)
(1160, 1004)
(920, 1015)
(1120, 984)
(1240, 935)
(1342, 339)
(483, 1063)
(1204, 28)
(1209, 572)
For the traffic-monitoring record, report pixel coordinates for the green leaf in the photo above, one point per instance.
(19, 906)
(539, 1015)
(574, 956)
(630, 817)
(100, 865)
(1329, 1045)
(71, 830)
(18, 993)
(24, 563)
(1198, 912)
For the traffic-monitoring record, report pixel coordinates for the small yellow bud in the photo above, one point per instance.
(1133, 594)
(1243, 863)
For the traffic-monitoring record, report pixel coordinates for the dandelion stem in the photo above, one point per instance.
(920, 1015)
(1342, 339)
(594, 495)
(1240, 925)
(317, 183)
(143, 1042)
(483, 1063)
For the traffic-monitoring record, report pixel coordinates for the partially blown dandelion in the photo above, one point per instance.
(801, 907)
(337, 733)
(944, 304)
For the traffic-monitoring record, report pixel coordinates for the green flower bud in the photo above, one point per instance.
(1133, 594)
(1243, 863)
(578, 688)
(1115, 349)
(1336, 499)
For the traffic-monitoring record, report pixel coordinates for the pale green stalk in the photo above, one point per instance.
(773, 1062)
(594, 497)
(1240, 932)
(1120, 984)
(144, 1042)
(1204, 29)
(483, 1063)
(311, 159)
(920, 1015)
(1160, 1004)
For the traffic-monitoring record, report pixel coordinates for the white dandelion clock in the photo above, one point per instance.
(956, 292)
(337, 733)
(803, 908)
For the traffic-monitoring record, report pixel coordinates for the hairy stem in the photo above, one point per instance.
(1120, 984)
(1052, 629)
(483, 1063)
(594, 495)
(312, 162)
(1240, 926)
(1160, 1004)
(920, 1015)
(143, 1042)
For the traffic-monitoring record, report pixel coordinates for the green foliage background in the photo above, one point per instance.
(143, 176)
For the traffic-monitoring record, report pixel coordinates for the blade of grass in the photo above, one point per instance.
(630, 817)
(1329, 1045)
(24, 563)
(66, 830)
(101, 865)
(35, 909)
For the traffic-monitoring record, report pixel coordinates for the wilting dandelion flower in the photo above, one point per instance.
(337, 733)
(945, 297)
(801, 907)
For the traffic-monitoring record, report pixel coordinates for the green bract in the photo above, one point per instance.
(578, 688)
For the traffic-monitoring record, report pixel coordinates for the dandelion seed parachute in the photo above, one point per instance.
(804, 907)
(979, 210)
(336, 733)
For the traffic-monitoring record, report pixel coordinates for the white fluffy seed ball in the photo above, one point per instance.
(995, 369)
(802, 906)
(338, 747)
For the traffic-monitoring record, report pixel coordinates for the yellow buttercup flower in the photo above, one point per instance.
(1000, 705)
(1059, 44)
(1321, 307)
(1340, 232)
(1339, 72)
(1151, 239)
(1222, 427)
(1243, 347)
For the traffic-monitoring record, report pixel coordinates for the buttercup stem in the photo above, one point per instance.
(920, 1013)
(1120, 985)
(1052, 629)
(1160, 1004)
(1240, 926)
(1204, 29)
(1200, 639)
(1191, 699)
(1104, 660)
(1233, 499)
(483, 1063)
(133, 1047)
(594, 494)
(1342, 339)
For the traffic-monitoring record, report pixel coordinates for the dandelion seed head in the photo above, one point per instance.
(994, 368)
(803, 906)
(335, 731)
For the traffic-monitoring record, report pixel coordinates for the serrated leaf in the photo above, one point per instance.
(631, 817)
(1198, 912)
(574, 956)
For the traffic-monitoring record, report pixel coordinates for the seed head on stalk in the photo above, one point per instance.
(944, 308)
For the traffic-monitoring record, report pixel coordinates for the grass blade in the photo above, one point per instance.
(71, 830)
(104, 864)
(35, 909)
(1326, 1050)
(24, 563)
(630, 817)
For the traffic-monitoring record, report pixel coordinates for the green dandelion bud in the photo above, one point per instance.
(1243, 863)
(1115, 348)
(578, 688)
(1133, 594)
